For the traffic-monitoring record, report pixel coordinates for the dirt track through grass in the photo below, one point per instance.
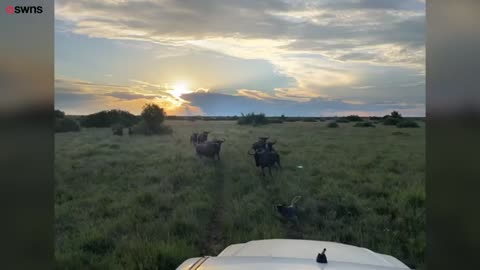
(214, 242)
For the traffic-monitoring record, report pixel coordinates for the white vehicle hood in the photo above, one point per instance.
(294, 255)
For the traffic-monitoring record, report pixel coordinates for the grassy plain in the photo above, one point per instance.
(147, 202)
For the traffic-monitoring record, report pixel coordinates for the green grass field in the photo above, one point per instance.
(147, 202)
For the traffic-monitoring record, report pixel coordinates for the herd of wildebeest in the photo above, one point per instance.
(264, 155)
(262, 150)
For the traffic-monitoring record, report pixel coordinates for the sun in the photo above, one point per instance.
(180, 88)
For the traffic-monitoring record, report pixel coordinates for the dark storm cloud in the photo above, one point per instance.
(249, 19)
(376, 4)
(65, 100)
(222, 104)
(184, 18)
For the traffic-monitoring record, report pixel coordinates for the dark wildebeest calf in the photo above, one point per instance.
(202, 137)
(209, 149)
(194, 138)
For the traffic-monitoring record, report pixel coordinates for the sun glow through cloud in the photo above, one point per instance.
(180, 88)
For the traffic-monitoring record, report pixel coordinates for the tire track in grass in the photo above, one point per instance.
(214, 241)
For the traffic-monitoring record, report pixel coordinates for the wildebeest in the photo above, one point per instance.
(117, 131)
(202, 137)
(210, 149)
(268, 159)
(264, 154)
(257, 146)
(194, 138)
(269, 146)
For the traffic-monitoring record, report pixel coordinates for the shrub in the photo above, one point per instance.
(153, 117)
(143, 128)
(353, 118)
(375, 118)
(152, 122)
(252, 119)
(406, 123)
(309, 120)
(342, 120)
(394, 114)
(108, 118)
(275, 121)
(391, 121)
(59, 114)
(332, 125)
(364, 124)
(66, 125)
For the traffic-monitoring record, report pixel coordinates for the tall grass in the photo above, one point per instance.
(147, 202)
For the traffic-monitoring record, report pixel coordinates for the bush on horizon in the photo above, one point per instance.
(407, 123)
(364, 124)
(353, 118)
(59, 114)
(152, 121)
(253, 119)
(66, 125)
(332, 125)
(109, 118)
(342, 120)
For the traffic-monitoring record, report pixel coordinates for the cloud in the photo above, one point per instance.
(83, 97)
(255, 94)
(323, 50)
(80, 97)
(302, 39)
(128, 95)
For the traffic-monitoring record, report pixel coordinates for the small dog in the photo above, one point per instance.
(289, 211)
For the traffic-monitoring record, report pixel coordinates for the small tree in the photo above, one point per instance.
(252, 119)
(407, 123)
(396, 114)
(59, 114)
(66, 125)
(364, 124)
(108, 118)
(332, 125)
(353, 118)
(153, 116)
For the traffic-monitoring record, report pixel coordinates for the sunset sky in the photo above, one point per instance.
(225, 57)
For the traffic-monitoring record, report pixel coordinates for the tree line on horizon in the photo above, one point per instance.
(148, 124)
